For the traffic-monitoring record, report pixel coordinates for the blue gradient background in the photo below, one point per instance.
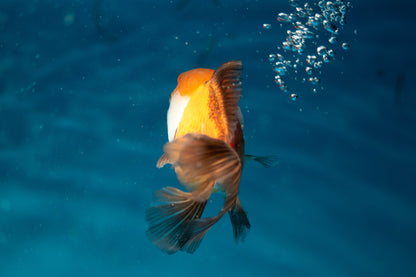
(83, 120)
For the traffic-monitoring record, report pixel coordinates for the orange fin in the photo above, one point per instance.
(169, 218)
(162, 161)
(239, 221)
(225, 93)
(199, 159)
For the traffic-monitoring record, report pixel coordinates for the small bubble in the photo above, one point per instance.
(278, 80)
(332, 40)
(310, 59)
(317, 65)
(267, 26)
(355, 32)
(283, 17)
(331, 53)
(308, 70)
(321, 50)
(293, 96)
(314, 80)
(345, 46)
(272, 57)
(294, 3)
(330, 27)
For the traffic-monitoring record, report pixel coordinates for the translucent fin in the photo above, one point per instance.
(201, 159)
(196, 231)
(162, 161)
(225, 93)
(239, 221)
(172, 212)
(266, 161)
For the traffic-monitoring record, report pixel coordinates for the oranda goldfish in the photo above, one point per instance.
(206, 149)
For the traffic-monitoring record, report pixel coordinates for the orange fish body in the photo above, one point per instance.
(206, 148)
(201, 115)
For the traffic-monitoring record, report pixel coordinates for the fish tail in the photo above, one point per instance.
(197, 228)
(200, 162)
(239, 221)
(169, 218)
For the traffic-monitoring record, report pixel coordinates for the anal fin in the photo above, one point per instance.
(239, 221)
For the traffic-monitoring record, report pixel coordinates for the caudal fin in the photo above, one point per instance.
(169, 218)
(200, 162)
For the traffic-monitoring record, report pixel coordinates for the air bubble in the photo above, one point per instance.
(310, 59)
(321, 50)
(317, 65)
(283, 17)
(332, 40)
(294, 3)
(314, 80)
(267, 26)
(293, 96)
(330, 27)
(310, 23)
(345, 46)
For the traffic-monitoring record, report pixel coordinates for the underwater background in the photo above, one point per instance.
(84, 91)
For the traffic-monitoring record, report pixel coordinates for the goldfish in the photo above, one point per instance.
(206, 150)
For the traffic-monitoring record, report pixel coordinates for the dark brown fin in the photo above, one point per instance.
(266, 161)
(199, 227)
(199, 162)
(199, 159)
(226, 80)
(162, 161)
(239, 221)
(169, 218)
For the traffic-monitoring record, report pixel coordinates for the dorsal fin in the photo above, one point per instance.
(225, 92)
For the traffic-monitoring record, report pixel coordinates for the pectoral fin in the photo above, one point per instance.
(266, 161)
(202, 159)
(162, 161)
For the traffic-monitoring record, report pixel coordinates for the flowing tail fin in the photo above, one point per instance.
(169, 217)
(200, 161)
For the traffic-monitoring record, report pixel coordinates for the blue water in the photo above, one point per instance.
(84, 90)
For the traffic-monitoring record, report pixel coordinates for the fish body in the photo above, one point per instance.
(193, 109)
(206, 149)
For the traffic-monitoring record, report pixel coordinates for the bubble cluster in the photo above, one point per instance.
(304, 46)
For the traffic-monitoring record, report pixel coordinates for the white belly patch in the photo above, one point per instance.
(175, 113)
